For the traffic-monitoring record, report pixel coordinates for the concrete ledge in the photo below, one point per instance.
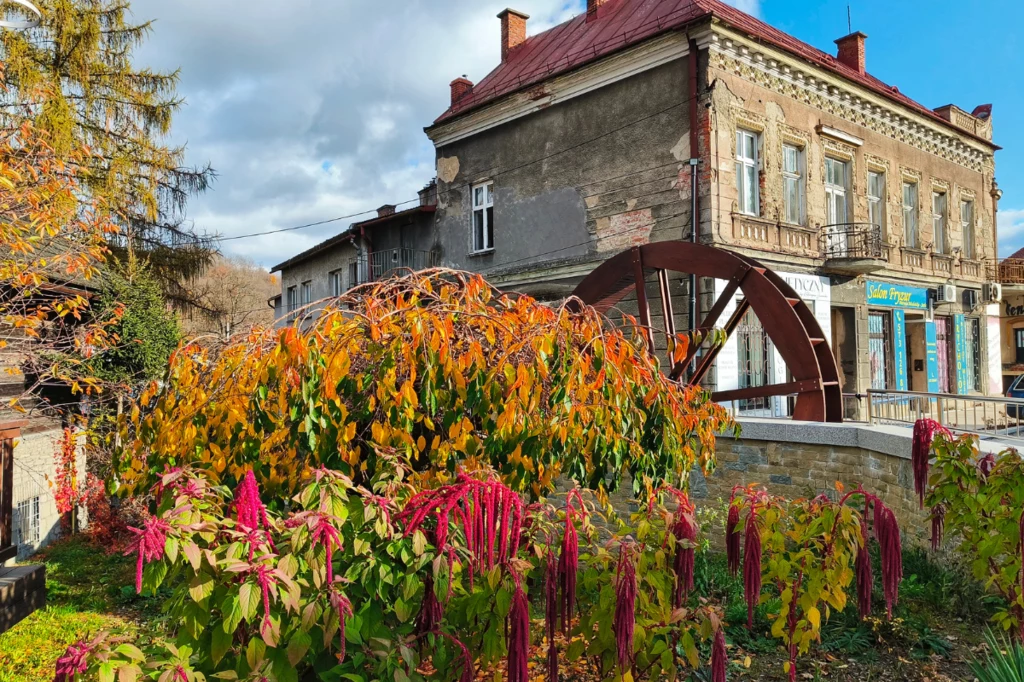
(22, 591)
(886, 439)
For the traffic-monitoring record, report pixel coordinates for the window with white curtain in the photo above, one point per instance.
(967, 227)
(876, 199)
(939, 222)
(793, 184)
(747, 190)
(910, 236)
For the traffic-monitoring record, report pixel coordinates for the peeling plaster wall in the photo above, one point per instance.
(747, 95)
(571, 210)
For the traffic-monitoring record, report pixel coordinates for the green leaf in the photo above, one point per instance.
(575, 650)
(403, 610)
(128, 673)
(298, 645)
(232, 613)
(220, 644)
(249, 600)
(201, 587)
(131, 651)
(255, 652)
(400, 675)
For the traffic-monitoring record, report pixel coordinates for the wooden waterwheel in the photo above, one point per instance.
(784, 316)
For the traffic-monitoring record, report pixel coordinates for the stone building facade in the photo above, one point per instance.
(881, 210)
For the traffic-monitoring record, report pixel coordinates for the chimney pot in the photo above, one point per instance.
(851, 51)
(513, 31)
(460, 88)
(592, 6)
(385, 210)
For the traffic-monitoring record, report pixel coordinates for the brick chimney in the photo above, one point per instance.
(513, 30)
(592, 6)
(460, 87)
(385, 210)
(851, 50)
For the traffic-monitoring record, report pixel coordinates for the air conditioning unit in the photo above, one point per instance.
(970, 299)
(992, 292)
(946, 294)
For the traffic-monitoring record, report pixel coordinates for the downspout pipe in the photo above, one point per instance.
(694, 184)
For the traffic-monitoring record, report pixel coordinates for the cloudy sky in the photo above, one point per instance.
(312, 109)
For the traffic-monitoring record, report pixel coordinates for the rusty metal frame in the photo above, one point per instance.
(786, 319)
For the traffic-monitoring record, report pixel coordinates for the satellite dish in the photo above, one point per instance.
(30, 23)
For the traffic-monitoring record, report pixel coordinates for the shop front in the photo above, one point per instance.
(1012, 335)
(917, 344)
(750, 359)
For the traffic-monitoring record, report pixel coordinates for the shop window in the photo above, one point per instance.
(754, 356)
(974, 354)
(879, 345)
(945, 354)
(747, 189)
(1018, 335)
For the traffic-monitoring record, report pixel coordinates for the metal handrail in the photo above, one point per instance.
(993, 416)
(851, 240)
(1005, 271)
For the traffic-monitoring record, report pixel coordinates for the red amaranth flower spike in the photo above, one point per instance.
(732, 539)
(938, 525)
(430, 608)
(74, 661)
(149, 544)
(250, 513)
(924, 433)
(685, 531)
(568, 561)
(518, 636)
(343, 607)
(468, 674)
(551, 612)
(887, 532)
(862, 565)
(752, 566)
(625, 607)
(719, 657)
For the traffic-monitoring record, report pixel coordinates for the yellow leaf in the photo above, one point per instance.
(814, 617)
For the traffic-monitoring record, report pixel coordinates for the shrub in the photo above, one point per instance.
(438, 369)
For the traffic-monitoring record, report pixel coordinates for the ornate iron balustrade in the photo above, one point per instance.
(853, 241)
(1006, 271)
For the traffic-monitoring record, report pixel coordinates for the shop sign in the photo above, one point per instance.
(896, 296)
(960, 338)
(931, 349)
(899, 342)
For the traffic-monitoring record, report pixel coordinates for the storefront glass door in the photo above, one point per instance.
(878, 349)
(943, 341)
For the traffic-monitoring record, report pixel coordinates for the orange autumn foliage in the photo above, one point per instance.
(436, 369)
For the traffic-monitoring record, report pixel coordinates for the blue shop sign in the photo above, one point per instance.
(897, 296)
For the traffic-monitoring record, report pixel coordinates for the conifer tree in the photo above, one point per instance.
(74, 76)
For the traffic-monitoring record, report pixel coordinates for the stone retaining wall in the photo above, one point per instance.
(802, 459)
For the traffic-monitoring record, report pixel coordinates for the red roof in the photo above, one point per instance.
(622, 23)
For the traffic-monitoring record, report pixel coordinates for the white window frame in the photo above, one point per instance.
(337, 284)
(940, 223)
(27, 529)
(483, 242)
(967, 227)
(306, 292)
(796, 175)
(911, 231)
(744, 164)
(833, 190)
(292, 298)
(876, 202)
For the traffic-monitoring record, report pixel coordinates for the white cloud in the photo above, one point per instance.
(1011, 231)
(310, 109)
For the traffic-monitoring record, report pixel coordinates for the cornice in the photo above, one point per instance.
(817, 87)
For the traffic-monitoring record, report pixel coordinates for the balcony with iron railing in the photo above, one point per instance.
(1009, 272)
(388, 262)
(853, 248)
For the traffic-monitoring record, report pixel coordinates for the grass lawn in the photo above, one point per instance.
(88, 591)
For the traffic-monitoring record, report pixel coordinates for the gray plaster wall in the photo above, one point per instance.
(593, 200)
(316, 270)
